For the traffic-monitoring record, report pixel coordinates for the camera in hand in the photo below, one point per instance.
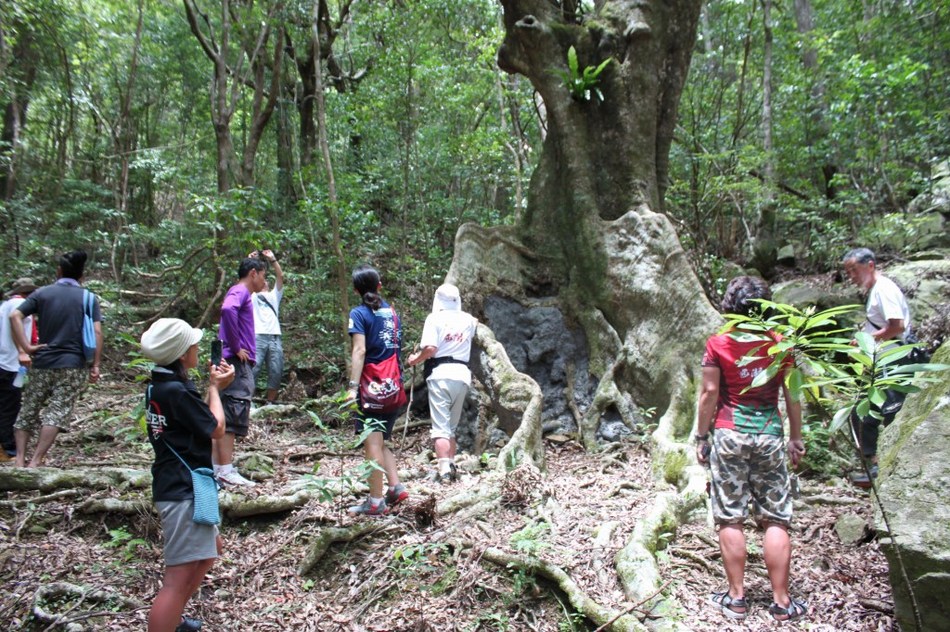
(215, 352)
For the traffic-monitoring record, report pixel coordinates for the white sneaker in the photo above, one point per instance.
(234, 478)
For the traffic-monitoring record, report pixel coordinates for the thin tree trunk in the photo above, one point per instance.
(123, 141)
(342, 283)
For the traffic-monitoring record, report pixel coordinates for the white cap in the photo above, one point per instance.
(447, 298)
(168, 339)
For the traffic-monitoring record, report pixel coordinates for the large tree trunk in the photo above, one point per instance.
(593, 243)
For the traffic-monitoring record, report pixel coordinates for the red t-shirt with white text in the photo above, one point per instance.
(756, 410)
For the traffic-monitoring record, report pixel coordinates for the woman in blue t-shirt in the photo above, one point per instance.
(376, 337)
(180, 428)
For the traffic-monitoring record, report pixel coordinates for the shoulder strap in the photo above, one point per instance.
(148, 398)
(87, 303)
(266, 302)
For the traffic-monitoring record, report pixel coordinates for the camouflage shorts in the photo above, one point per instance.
(749, 467)
(49, 398)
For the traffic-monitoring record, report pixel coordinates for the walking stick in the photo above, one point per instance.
(412, 391)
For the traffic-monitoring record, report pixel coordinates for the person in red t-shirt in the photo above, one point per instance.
(747, 452)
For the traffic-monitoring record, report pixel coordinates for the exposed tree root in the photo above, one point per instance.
(39, 500)
(116, 505)
(237, 506)
(49, 596)
(328, 536)
(47, 479)
(578, 598)
(517, 401)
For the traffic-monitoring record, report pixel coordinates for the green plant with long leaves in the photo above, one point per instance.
(582, 83)
(826, 363)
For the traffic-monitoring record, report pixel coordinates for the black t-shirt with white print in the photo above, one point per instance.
(176, 416)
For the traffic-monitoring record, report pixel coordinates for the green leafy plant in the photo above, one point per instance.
(529, 540)
(823, 362)
(582, 84)
(418, 558)
(123, 540)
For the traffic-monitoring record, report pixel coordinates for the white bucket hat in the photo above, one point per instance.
(447, 298)
(168, 339)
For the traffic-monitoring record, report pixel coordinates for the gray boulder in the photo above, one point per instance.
(915, 476)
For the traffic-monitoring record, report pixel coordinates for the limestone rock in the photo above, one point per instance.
(913, 491)
(851, 528)
(925, 283)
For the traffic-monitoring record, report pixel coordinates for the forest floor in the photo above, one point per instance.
(402, 576)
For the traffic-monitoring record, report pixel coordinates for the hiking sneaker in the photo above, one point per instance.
(367, 508)
(234, 478)
(396, 495)
(860, 478)
(451, 476)
(188, 625)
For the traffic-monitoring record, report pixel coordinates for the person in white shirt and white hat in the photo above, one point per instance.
(446, 348)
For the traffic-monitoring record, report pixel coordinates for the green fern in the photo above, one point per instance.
(582, 84)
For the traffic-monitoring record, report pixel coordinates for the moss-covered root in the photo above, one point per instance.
(48, 479)
(636, 562)
(514, 394)
(582, 603)
(328, 536)
(239, 506)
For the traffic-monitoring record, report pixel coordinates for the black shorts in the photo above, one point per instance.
(236, 399)
(379, 422)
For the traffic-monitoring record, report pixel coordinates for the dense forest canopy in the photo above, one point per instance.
(158, 134)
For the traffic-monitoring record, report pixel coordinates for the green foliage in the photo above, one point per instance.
(123, 540)
(824, 364)
(858, 118)
(530, 539)
(673, 466)
(424, 557)
(825, 455)
(582, 84)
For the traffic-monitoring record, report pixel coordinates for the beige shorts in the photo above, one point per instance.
(446, 400)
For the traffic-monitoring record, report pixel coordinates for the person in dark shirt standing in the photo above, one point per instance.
(181, 427)
(239, 348)
(59, 372)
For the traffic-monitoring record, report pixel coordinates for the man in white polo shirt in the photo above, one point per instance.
(446, 347)
(270, 351)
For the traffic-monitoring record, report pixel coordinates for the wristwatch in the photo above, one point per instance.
(701, 438)
(352, 384)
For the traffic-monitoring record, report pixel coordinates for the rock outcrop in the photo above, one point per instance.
(915, 475)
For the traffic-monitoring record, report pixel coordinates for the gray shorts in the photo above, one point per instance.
(236, 399)
(185, 540)
(749, 467)
(270, 353)
(446, 400)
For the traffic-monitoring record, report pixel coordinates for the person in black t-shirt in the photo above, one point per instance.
(180, 424)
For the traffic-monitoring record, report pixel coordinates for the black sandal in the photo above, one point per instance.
(794, 610)
(727, 604)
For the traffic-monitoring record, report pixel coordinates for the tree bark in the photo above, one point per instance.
(593, 239)
(600, 159)
(333, 207)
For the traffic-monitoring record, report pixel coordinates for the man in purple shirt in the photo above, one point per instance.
(238, 347)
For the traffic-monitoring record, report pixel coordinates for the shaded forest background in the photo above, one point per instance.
(168, 139)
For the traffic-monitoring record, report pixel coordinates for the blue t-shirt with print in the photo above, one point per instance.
(380, 327)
